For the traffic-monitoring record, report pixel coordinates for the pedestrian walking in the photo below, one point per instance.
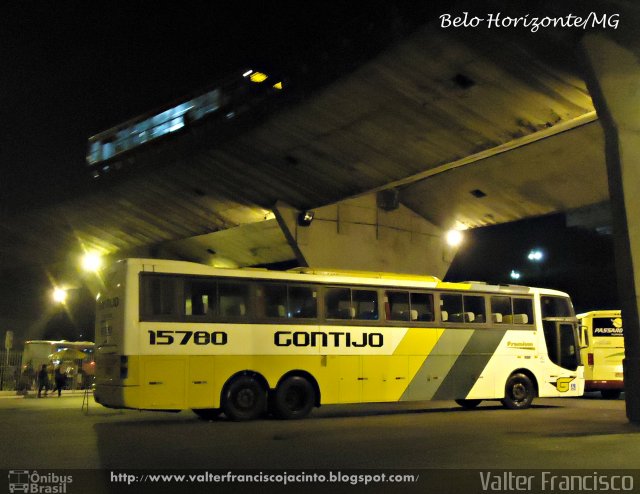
(43, 380)
(60, 380)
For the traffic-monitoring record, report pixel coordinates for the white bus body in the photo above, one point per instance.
(173, 335)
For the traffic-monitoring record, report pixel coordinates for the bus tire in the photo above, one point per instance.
(468, 404)
(207, 413)
(518, 392)
(294, 398)
(244, 398)
(610, 394)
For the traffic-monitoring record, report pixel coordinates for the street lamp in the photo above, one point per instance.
(454, 238)
(59, 295)
(535, 255)
(515, 275)
(91, 262)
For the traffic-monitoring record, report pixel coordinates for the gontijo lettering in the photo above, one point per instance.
(330, 338)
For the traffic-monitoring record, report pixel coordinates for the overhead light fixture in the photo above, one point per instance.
(91, 261)
(454, 238)
(59, 295)
(305, 218)
(535, 255)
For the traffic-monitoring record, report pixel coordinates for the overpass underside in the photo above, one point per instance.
(463, 128)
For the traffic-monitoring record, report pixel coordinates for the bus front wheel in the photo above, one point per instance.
(244, 398)
(293, 398)
(518, 392)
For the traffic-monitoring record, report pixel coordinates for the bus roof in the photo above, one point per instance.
(600, 313)
(326, 276)
(381, 275)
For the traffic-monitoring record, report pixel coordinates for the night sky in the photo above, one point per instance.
(72, 69)
(576, 260)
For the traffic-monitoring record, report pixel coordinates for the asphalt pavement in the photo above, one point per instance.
(448, 448)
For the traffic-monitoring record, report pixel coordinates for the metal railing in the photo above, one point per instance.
(10, 370)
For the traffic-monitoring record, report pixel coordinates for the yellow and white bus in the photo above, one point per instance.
(175, 335)
(602, 352)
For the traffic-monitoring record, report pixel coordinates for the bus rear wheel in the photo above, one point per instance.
(518, 392)
(293, 398)
(207, 413)
(244, 398)
(468, 404)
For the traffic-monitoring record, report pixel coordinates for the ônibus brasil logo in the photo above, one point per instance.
(41, 483)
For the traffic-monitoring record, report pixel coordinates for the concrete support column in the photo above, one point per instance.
(356, 234)
(613, 78)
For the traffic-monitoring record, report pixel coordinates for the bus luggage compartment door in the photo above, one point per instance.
(163, 383)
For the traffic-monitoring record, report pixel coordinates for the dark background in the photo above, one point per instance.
(577, 260)
(69, 70)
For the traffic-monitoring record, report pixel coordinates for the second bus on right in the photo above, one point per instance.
(602, 352)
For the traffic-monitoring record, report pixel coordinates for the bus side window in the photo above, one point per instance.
(523, 308)
(500, 309)
(365, 304)
(303, 302)
(338, 303)
(585, 336)
(474, 309)
(398, 305)
(422, 304)
(274, 300)
(200, 298)
(452, 306)
(233, 299)
(158, 296)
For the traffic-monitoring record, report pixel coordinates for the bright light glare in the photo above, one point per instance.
(515, 275)
(91, 262)
(59, 295)
(454, 238)
(535, 255)
(258, 77)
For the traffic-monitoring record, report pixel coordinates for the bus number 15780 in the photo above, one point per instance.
(168, 337)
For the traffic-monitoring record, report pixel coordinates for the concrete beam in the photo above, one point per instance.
(357, 234)
(612, 72)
